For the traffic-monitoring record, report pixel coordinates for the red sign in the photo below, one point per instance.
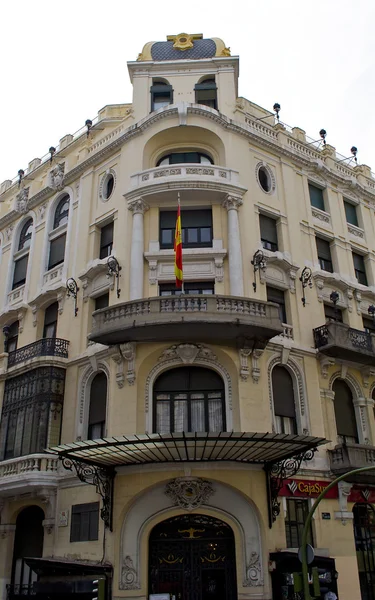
(304, 488)
(362, 494)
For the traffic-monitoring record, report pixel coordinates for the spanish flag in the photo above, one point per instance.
(178, 249)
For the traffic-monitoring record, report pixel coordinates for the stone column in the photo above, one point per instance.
(232, 204)
(138, 208)
(330, 430)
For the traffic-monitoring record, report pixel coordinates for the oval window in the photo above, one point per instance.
(264, 179)
(107, 186)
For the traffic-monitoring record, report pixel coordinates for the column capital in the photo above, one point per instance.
(232, 202)
(138, 206)
(327, 394)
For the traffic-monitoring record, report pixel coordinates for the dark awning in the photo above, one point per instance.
(247, 448)
(61, 566)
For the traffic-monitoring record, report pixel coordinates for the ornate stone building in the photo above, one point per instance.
(125, 406)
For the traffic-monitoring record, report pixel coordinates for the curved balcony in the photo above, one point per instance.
(341, 341)
(28, 473)
(202, 179)
(43, 347)
(218, 319)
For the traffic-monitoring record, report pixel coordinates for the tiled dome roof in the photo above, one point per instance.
(184, 46)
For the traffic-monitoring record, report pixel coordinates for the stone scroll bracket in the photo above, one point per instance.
(125, 352)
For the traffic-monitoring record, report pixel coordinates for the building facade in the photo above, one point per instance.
(144, 395)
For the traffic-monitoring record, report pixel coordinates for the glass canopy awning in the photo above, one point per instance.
(95, 461)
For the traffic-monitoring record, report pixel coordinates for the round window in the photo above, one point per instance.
(107, 185)
(265, 178)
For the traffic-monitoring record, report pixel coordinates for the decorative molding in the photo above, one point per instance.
(255, 369)
(269, 173)
(232, 202)
(366, 373)
(356, 388)
(128, 351)
(188, 353)
(325, 364)
(118, 359)
(138, 206)
(56, 177)
(129, 578)
(254, 576)
(244, 354)
(9, 232)
(356, 231)
(321, 215)
(300, 394)
(22, 201)
(41, 212)
(189, 492)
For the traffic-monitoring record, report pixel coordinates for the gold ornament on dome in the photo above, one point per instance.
(184, 41)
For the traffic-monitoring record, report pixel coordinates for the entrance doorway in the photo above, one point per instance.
(28, 542)
(192, 557)
(364, 533)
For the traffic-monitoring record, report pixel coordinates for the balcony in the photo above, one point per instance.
(44, 347)
(346, 457)
(28, 473)
(197, 178)
(218, 319)
(341, 341)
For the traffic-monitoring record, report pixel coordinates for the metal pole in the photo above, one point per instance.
(305, 579)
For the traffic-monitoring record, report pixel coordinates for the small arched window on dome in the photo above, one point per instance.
(57, 236)
(346, 423)
(21, 262)
(206, 93)
(283, 401)
(98, 407)
(161, 94)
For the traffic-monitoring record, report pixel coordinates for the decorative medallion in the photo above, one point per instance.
(129, 575)
(187, 353)
(189, 492)
(253, 571)
(184, 41)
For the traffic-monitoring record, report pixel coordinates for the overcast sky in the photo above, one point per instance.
(60, 62)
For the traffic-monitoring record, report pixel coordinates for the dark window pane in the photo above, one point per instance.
(12, 337)
(324, 255)
(190, 287)
(25, 235)
(206, 93)
(85, 522)
(57, 251)
(283, 393)
(332, 313)
(206, 234)
(359, 268)
(296, 514)
(106, 240)
(268, 233)
(277, 296)
(62, 212)
(177, 158)
(98, 404)
(196, 228)
(351, 213)
(344, 412)
(192, 236)
(50, 320)
(316, 197)
(368, 324)
(20, 271)
(102, 301)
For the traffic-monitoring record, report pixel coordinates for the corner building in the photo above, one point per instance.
(146, 396)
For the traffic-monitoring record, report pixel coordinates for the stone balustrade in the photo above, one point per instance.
(28, 464)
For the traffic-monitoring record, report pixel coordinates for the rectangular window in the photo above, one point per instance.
(324, 255)
(316, 197)
(50, 320)
(196, 228)
(102, 301)
(161, 95)
(332, 313)
(106, 240)
(359, 268)
(57, 251)
(277, 296)
(368, 325)
(296, 514)
(268, 233)
(190, 287)
(20, 271)
(85, 522)
(351, 213)
(206, 93)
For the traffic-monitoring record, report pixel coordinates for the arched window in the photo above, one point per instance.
(185, 157)
(62, 212)
(57, 236)
(161, 94)
(189, 399)
(98, 407)
(26, 235)
(50, 320)
(28, 542)
(283, 401)
(346, 423)
(206, 93)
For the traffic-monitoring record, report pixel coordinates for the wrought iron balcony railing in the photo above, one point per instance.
(43, 347)
(341, 341)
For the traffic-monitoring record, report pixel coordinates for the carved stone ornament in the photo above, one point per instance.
(253, 572)
(9, 232)
(138, 206)
(129, 575)
(22, 200)
(188, 353)
(41, 212)
(188, 492)
(57, 177)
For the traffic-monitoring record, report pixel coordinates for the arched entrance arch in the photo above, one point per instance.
(193, 556)
(28, 543)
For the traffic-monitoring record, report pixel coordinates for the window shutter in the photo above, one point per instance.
(57, 251)
(94, 524)
(98, 399)
(323, 248)
(268, 229)
(20, 271)
(283, 393)
(351, 213)
(344, 410)
(316, 197)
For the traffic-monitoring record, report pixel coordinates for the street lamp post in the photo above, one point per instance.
(305, 573)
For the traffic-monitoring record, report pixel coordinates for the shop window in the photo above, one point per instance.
(12, 339)
(161, 95)
(277, 296)
(296, 514)
(324, 254)
(206, 93)
(98, 407)
(283, 401)
(268, 233)
(102, 301)
(177, 158)
(190, 288)
(316, 197)
(189, 399)
(50, 321)
(106, 240)
(85, 522)
(332, 313)
(351, 213)
(359, 268)
(196, 228)
(346, 424)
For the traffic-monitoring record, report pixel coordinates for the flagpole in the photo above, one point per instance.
(179, 204)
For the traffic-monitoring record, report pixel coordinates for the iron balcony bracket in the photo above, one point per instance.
(102, 478)
(276, 474)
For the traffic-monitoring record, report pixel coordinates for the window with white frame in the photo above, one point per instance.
(21, 256)
(57, 237)
(98, 407)
(283, 401)
(346, 423)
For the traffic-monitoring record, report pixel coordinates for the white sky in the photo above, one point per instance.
(60, 62)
